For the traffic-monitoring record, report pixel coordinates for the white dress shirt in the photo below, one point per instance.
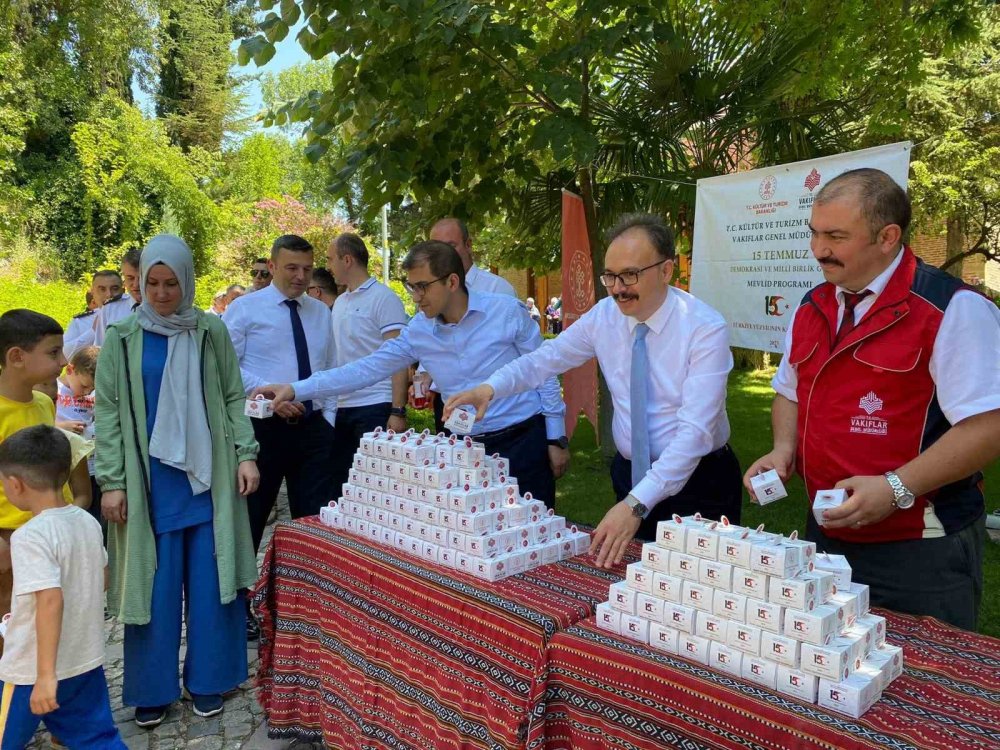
(689, 358)
(965, 363)
(79, 333)
(261, 329)
(480, 280)
(495, 330)
(360, 319)
(111, 312)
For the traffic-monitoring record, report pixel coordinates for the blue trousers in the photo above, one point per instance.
(83, 719)
(216, 659)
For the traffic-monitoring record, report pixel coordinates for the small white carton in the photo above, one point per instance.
(703, 542)
(848, 602)
(663, 637)
(760, 670)
(750, 583)
(796, 593)
(827, 500)
(819, 626)
(683, 566)
(725, 659)
(834, 661)
(608, 618)
(461, 420)
(807, 551)
(836, 564)
(692, 647)
(743, 637)
(852, 696)
(258, 408)
(877, 623)
(767, 487)
(697, 595)
(768, 616)
(635, 627)
(736, 547)
(826, 584)
(622, 597)
(729, 605)
(776, 559)
(864, 597)
(672, 534)
(668, 587)
(716, 574)
(639, 577)
(892, 656)
(679, 616)
(797, 683)
(711, 627)
(650, 607)
(655, 557)
(877, 670)
(780, 648)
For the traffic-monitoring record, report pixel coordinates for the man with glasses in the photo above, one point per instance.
(462, 337)
(261, 274)
(323, 287)
(665, 356)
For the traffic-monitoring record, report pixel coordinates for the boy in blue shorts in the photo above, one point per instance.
(52, 667)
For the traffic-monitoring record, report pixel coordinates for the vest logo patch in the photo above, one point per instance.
(867, 423)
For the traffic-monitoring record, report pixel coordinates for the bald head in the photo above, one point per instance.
(454, 232)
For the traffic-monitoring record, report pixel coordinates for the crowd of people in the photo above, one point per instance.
(183, 483)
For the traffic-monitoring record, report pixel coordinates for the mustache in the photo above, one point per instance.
(625, 296)
(830, 262)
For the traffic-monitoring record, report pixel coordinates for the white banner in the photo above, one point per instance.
(751, 256)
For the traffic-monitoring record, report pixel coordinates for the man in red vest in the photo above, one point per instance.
(890, 389)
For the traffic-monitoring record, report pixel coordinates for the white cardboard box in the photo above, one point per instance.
(852, 696)
(725, 659)
(650, 607)
(639, 577)
(622, 597)
(781, 649)
(697, 595)
(760, 670)
(797, 683)
(716, 574)
(679, 617)
(608, 618)
(796, 593)
(767, 487)
(768, 616)
(836, 564)
(655, 557)
(827, 500)
(750, 583)
(820, 626)
(834, 661)
(730, 605)
(712, 627)
(635, 628)
(663, 637)
(668, 587)
(684, 566)
(692, 647)
(743, 637)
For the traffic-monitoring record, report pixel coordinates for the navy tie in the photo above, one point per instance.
(639, 404)
(301, 347)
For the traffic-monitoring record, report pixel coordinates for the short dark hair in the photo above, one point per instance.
(325, 281)
(132, 257)
(440, 257)
(259, 260)
(107, 272)
(351, 244)
(84, 360)
(880, 198)
(290, 242)
(659, 234)
(38, 455)
(235, 287)
(24, 329)
(462, 227)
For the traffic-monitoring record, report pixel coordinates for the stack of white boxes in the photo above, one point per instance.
(444, 500)
(758, 606)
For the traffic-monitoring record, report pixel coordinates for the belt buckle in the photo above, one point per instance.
(292, 420)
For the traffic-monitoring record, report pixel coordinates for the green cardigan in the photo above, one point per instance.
(122, 463)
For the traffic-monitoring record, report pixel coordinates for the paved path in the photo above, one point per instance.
(240, 725)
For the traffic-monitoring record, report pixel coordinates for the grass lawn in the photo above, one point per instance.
(584, 494)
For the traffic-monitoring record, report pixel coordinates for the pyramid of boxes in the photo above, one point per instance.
(444, 500)
(758, 606)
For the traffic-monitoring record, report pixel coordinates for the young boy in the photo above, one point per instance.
(52, 669)
(30, 353)
(75, 411)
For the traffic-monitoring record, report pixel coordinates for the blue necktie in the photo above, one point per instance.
(301, 347)
(639, 386)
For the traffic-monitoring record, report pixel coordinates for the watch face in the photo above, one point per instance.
(905, 501)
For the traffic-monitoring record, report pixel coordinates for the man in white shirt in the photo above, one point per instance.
(364, 316)
(123, 305)
(107, 284)
(280, 332)
(454, 232)
(260, 274)
(665, 356)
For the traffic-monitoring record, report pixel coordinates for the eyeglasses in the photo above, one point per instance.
(264, 274)
(419, 288)
(627, 278)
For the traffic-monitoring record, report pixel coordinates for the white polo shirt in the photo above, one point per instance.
(360, 319)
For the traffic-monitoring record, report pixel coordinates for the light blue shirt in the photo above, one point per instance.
(495, 330)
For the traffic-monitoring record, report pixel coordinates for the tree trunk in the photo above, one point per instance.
(955, 244)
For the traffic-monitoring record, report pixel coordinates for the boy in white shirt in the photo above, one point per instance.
(52, 667)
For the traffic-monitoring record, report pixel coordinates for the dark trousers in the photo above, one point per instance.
(352, 423)
(298, 453)
(526, 446)
(437, 405)
(714, 489)
(95, 508)
(940, 577)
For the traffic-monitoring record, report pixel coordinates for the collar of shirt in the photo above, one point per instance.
(476, 304)
(471, 274)
(876, 286)
(658, 320)
(279, 296)
(367, 285)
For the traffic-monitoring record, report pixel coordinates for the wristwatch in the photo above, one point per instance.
(638, 509)
(397, 411)
(560, 442)
(902, 497)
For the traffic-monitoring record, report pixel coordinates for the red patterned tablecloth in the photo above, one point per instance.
(363, 646)
(603, 691)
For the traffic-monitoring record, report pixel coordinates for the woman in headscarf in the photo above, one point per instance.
(175, 460)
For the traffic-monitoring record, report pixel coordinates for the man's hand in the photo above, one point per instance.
(613, 534)
(114, 506)
(43, 695)
(870, 500)
(290, 410)
(781, 460)
(424, 378)
(248, 477)
(278, 393)
(396, 424)
(72, 426)
(558, 460)
(478, 397)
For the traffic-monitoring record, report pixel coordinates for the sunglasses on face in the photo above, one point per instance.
(262, 273)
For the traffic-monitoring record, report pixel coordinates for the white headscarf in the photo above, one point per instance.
(181, 436)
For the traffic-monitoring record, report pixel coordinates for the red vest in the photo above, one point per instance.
(868, 405)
